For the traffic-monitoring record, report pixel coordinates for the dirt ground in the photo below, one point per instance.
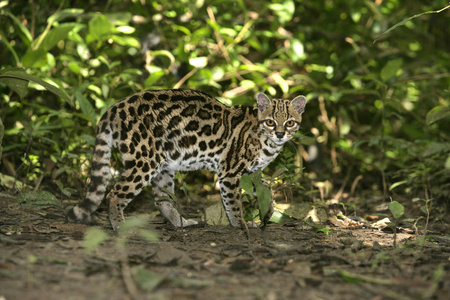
(43, 257)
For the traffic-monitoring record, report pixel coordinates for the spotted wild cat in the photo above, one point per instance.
(162, 131)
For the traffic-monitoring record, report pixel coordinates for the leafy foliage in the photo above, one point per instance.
(253, 182)
(377, 109)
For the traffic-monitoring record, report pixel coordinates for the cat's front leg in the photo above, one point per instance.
(230, 190)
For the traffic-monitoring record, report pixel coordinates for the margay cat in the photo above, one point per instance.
(162, 131)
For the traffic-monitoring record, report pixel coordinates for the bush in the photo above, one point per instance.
(380, 109)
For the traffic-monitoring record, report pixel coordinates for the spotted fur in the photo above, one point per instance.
(162, 131)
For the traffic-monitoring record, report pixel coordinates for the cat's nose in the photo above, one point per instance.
(279, 134)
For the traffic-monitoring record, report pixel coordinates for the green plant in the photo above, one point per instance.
(426, 209)
(397, 210)
(252, 184)
(319, 227)
(131, 227)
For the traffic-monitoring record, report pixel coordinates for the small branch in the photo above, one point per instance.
(128, 279)
(186, 77)
(220, 41)
(355, 182)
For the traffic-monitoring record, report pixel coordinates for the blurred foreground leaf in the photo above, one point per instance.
(93, 238)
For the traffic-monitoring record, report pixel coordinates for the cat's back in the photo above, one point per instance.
(167, 107)
(172, 114)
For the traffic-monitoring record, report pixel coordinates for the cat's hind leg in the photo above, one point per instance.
(163, 188)
(131, 183)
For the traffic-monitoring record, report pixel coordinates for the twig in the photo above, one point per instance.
(128, 279)
(383, 158)
(218, 37)
(427, 200)
(185, 77)
(39, 181)
(220, 41)
(338, 195)
(46, 30)
(355, 182)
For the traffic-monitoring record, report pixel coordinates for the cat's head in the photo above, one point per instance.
(279, 119)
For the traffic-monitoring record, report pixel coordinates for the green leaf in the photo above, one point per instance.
(396, 184)
(284, 86)
(20, 74)
(278, 172)
(439, 274)
(35, 58)
(278, 217)
(63, 190)
(147, 280)
(246, 184)
(153, 78)
(55, 35)
(100, 28)
(64, 14)
(437, 113)
(263, 193)
(390, 69)
(89, 139)
(125, 29)
(199, 62)
(126, 41)
(297, 50)
(167, 54)
(256, 177)
(447, 163)
(133, 223)
(20, 86)
(93, 238)
(264, 199)
(149, 235)
(74, 66)
(307, 140)
(396, 209)
(20, 25)
(357, 278)
(86, 106)
(285, 11)
(248, 84)
(435, 148)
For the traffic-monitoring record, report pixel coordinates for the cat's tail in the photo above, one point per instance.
(100, 173)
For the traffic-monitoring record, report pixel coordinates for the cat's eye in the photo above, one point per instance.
(290, 123)
(270, 123)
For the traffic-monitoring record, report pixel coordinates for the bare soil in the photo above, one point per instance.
(43, 257)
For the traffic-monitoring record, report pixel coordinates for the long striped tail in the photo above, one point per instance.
(100, 173)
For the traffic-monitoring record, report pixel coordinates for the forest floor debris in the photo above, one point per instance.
(43, 257)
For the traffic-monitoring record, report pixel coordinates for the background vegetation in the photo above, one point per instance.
(378, 115)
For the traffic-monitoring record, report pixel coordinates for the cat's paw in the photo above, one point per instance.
(182, 222)
(251, 224)
(189, 222)
(76, 215)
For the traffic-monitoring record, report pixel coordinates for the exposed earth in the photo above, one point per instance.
(43, 257)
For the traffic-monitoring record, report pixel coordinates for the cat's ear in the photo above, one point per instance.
(263, 101)
(299, 104)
